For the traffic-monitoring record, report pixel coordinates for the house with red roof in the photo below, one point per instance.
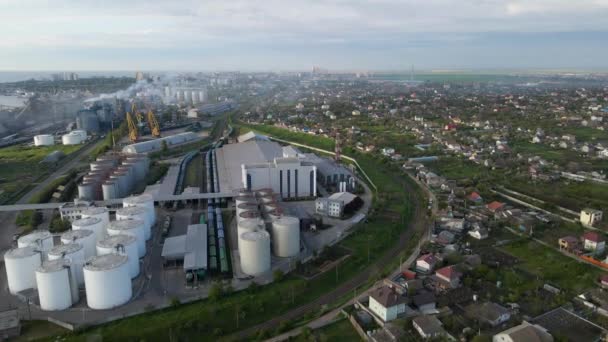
(594, 242)
(475, 197)
(426, 263)
(570, 244)
(495, 206)
(449, 275)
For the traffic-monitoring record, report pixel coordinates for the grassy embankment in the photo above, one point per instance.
(210, 320)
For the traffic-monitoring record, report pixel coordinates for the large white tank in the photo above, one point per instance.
(143, 200)
(247, 226)
(286, 236)
(57, 289)
(41, 239)
(100, 212)
(267, 199)
(94, 224)
(134, 228)
(21, 265)
(74, 252)
(107, 281)
(263, 192)
(110, 190)
(255, 252)
(270, 206)
(274, 214)
(136, 213)
(84, 237)
(71, 139)
(122, 244)
(44, 140)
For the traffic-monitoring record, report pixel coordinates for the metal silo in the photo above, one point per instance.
(74, 252)
(122, 244)
(94, 224)
(100, 212)
(107, 281)
(243, 207)
(274, 214)
(143, 200)
(247, 215)
(248, 226)
(57, 288)
(84, 237)
(245, 200)
(110, 190)
(286, 236)
(44, 140)
(134, 228)
(21, 265)
(41, 239)
(136, 213)
(255, 252)
(86, 191)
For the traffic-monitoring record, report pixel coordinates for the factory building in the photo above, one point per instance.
(73, 211)
(337, 204)
(87, 120)
(256, 164)
(156, 144)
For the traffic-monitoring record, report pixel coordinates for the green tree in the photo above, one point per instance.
(164, 147)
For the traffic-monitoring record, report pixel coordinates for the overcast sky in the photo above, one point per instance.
(296, 34)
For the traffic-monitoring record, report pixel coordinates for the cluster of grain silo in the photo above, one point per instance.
(260, 224)
(113, 176)
(99, 254)
(44, 140)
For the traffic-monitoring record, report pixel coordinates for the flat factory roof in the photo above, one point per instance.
(192, 247)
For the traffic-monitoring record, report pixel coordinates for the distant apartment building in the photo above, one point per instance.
(590, 217)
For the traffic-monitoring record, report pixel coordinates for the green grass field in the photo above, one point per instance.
(20, 166)
(341, 330)
(553, 267)
(213, 320)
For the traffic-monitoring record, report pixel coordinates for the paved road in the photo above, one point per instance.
(418, 223)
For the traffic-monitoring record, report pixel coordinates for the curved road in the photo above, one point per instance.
(417, 223)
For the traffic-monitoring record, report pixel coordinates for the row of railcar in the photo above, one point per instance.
(216, 234)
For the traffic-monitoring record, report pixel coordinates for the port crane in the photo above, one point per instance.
(135, 122)
(133, 131)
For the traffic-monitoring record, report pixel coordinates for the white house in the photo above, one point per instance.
(594, 242)
(478, 233)
(386, 303)
(426, 263)
(488, 312)
(590, 217)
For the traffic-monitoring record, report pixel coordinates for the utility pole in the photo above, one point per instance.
(237, 316)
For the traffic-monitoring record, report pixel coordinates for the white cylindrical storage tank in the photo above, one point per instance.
(84, 237)
(44, 140)
(80, 132)
(100, 212)
(21, 265)
(102, 165)
(247, 215)
(245, 199)
(41, 239)
(247, 226)
(107, 281)
(120, 184)
(71, 139)
(109, 190)
(270, 206)
(136, 213)
(55, 286)
(286, 236)
(255, 252)
(122, 244)
(245, 192)
(267, 199)
(94, 224)
(246, 207)
(74, 252)
(143, 200)
(134, 228)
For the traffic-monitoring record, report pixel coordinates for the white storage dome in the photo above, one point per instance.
(107, 281)
(21, 264)
(74, 252)
(93, 224)
(122, 244)
(84, 237)
(136, 213)
(134, 228)
(286, 236)
(255, 252)
(57, 289)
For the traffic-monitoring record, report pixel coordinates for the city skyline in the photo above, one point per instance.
(337, 35)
